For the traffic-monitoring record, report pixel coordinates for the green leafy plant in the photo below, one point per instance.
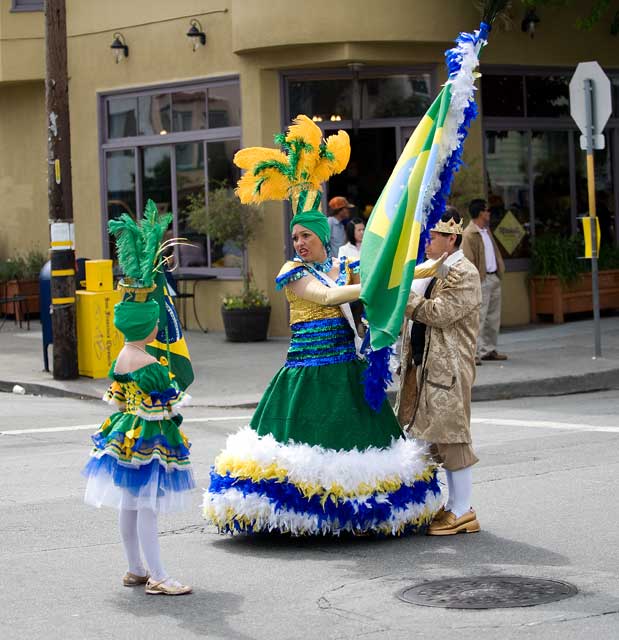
(609, 258)
(554, 255)
(23, 266)
(226, 219)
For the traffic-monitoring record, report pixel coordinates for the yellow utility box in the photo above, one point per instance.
(99, 275)
(98, 340)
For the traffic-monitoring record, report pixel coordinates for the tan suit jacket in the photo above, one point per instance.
(473, 247)
(434, 400)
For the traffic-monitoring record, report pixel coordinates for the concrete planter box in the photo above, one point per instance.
(548, 296)
(28, 288)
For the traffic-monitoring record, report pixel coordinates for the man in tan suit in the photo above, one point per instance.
(438, 370)
(481, 249)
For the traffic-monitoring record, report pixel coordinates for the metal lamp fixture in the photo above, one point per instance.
(119, 47)
(196, 35)
(528, 23)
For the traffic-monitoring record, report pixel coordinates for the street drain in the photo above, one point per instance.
(487, 592)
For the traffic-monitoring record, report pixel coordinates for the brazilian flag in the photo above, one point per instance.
(414, 197)
(170, 346)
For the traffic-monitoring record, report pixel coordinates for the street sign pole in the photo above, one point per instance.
(595, 285)
(591, 106)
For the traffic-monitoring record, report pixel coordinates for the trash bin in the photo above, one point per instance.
(45, 306)
(98, 340)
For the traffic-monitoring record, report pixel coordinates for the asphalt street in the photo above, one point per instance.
(544, 493)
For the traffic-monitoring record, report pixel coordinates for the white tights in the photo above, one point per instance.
(139, 529)
(460, 487)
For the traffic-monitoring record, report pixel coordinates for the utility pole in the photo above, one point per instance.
(60, 196)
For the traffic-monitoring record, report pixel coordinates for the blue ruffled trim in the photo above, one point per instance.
(377, 377)
(354, 266)
(454, 162)
(290, 276)
(364, 514)
(320, 342)
(134, 479)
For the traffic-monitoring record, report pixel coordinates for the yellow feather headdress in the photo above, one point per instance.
(295, 172)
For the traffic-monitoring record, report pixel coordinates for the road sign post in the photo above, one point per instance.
(590, 107)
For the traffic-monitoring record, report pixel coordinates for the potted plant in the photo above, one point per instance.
(227, 220)
(560, 281)
(20, 277)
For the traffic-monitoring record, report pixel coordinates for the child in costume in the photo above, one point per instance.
(140, 460)
(316, 458)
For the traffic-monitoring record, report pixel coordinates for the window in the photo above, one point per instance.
(376, 95)
(27, 5)
(173, 145)
(535, 168)
(508, 190)
(530, 96)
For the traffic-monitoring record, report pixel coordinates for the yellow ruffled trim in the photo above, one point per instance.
(252, 470)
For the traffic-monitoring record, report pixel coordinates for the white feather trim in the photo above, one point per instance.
(404, 459)
(265, 516)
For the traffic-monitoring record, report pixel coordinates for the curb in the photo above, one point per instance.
(559, 386)
(34, 389)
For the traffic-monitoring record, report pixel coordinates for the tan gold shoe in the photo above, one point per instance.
(449, 525)
(161, 588)
(133, 580)
(439, 515)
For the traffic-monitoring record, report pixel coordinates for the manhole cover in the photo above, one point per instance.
(487, 592)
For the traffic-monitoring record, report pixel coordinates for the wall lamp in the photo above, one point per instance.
(528, 23)
(119, 47)
(196, 35)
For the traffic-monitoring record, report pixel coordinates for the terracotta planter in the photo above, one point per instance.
(246, 325)
(28, 288)
(548, 296)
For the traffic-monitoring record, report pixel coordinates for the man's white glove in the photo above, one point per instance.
(432, 268)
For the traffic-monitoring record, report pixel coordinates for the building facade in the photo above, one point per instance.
(165, 121)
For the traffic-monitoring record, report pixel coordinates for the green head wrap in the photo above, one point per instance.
(136, 320)
(315, 221)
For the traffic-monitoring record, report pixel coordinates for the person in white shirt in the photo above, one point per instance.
(354, 232)
(481, 249)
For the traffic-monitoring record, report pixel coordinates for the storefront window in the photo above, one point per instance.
(508, 191)
(548, 96)
(190, 189)
(502, 96)
(395, 96)
(122, 118)
(321, 99)
(120, 170)
(550, 160)
(174, 175)
(223, 172)
(188, 111)
(224, 106)
(154, 115)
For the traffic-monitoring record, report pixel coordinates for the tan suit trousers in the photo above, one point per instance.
(489, 315)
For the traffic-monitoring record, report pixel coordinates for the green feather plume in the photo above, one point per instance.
(137, 245)
(129, 245)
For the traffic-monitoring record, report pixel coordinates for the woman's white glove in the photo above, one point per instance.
(313, 291)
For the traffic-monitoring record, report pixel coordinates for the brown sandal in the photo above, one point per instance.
(133, 580)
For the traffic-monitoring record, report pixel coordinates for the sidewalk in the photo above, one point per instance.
(543, 360)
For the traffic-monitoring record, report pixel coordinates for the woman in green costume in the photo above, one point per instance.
(316, 459)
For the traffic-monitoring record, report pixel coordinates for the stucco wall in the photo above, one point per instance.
(23, 169)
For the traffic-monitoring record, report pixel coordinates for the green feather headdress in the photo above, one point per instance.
(139, 246)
